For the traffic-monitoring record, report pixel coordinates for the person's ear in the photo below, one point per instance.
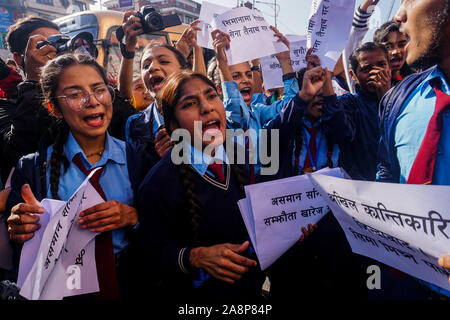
(353, 76)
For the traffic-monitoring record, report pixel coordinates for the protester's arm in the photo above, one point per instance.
(288, 120)
(385, 170)
(237, 112)
(257, 77)
(268, 112)
(199, 62)
(336, 114)
(284, 58)
(188, 39)
(132, 28)
(357, 33)
(384, 173)
(36, 58)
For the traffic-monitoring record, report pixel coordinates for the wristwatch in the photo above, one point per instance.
(255, 68)
(126, 54)
(290, 75)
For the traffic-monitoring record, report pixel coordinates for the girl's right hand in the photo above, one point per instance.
(132, 27)
(221, 42)
(222, 261)
(313, 81)
(24, 218)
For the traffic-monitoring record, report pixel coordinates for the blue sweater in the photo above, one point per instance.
(288, 121)
(353, 122)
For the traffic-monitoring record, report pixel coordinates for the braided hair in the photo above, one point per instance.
(168, 98)
(59, 131)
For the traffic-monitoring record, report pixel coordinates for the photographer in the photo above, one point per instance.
(30, 121)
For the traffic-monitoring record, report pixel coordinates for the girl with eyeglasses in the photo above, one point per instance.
(76, 93)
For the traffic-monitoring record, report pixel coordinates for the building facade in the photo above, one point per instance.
(52, 9)
(187, 10)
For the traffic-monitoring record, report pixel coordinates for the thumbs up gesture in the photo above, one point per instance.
(24, 218)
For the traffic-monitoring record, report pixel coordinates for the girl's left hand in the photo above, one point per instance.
(307, 233)
(188, 39)
(285, 55)
(444, 261)
(108, 216)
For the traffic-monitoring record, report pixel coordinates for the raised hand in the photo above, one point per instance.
(132, 27)
(312, 60)
(221, 42)
(381, 79)
(36, 58)
(313, 81)
(188, 39)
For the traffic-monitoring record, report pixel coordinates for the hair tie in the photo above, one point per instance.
(49, 106)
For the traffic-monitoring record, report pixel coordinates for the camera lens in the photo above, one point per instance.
(154, 21)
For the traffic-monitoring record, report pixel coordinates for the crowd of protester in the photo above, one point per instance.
(174, 232)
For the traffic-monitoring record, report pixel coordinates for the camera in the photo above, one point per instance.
(83, 43)
(9, 291)
(152, 21)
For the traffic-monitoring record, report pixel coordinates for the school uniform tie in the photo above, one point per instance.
(423, 166)
(217, 169)
(104, 253)
(312, 148)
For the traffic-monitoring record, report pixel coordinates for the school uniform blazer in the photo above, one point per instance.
(165, 234)
(390, 107)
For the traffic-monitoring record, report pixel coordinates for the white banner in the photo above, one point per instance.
(403, 226)
(208, 12)
(251, 37)
(271, 69)
(328, 29)
(274, 213)
(58, 245)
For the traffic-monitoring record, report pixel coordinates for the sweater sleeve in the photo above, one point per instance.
(162, 249)
(269, 112)
(238, 115)
(337, 117)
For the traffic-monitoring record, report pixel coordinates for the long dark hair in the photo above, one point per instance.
(181, 59)
(168, 98)
(58, 133)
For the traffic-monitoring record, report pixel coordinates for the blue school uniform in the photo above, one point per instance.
(256, 115)
(113, 180)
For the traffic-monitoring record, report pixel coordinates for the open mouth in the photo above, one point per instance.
(211, 128)
(95, 120)
(156, 83)
(246, 93)
(396, 62)
(318, 106)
